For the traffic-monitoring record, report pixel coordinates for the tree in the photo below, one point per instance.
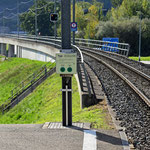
(128, 9)
(87, 22)
(45, 27)
(116, 3)
(127, 31)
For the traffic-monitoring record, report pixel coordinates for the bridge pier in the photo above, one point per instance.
(19, 51)
(11, 51)
(3, 49)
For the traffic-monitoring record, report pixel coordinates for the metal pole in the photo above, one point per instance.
(66, 48)
(140, 26)
(36, 17)
(65, 24)
(55, 28)
(73, 40)
(18, 24)
(3, 20)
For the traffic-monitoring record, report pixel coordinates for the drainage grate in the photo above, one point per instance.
(58, 125)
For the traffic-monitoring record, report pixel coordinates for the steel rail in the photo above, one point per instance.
(125, 65)
(132, 86)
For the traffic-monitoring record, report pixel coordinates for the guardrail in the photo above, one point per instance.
(120, 48)
(116, 47)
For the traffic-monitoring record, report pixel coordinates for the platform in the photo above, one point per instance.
(78, 137)
(145, 62)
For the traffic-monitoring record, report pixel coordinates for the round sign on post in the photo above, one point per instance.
(73, 26)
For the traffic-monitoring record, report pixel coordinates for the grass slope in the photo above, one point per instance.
(13, 71)
(142, 58)
(45, 105)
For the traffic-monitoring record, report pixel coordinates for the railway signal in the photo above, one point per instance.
(53, 17)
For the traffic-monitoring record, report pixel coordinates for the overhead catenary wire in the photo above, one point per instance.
(25, 2)
(9, 17)
(29, 9)
(11, 9)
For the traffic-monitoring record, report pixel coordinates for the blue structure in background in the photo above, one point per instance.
(111, 45)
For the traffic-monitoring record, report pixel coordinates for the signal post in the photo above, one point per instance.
(66, 63)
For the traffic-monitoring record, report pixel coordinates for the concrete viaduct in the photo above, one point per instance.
(27, 48)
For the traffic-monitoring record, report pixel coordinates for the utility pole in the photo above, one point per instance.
(140, 29)
(18, 22)
(36, 18)
(3, 18)
(55, 28)
(73, 38)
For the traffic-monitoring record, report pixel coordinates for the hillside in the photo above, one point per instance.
(13, 71)
(45, 105)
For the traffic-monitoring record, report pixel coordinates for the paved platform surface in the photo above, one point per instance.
(35, 137)
(146, 62)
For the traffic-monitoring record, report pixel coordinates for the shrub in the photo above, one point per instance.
(127, 30)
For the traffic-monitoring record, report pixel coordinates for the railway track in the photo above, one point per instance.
(134, 77)
(129, 95)
(135, 64)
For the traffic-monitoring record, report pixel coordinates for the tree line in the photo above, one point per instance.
(122, 20)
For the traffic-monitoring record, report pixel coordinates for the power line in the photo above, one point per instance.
(26, 2)
(21, 3)
(10, 9)
(9, 17)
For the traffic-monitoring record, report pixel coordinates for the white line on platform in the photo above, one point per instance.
(89, 142)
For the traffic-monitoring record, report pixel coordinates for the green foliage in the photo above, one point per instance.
(129, 9)
(127, 30)
(12, 72)
(141, 58)
(116, 3)
(88, 22)
(45, 27)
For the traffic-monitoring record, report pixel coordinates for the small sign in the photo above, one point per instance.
(73, 26)
(66, 63)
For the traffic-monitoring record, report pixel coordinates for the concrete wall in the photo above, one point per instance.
(35, 55)
(31, 49)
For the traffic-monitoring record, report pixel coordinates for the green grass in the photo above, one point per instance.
(45, 105)
(142, 58)
(1, 56)
(12, 72)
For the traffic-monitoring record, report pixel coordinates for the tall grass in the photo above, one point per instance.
(141, 58)
(12, 72)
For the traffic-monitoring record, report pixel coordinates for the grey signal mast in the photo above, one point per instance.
(66, 63)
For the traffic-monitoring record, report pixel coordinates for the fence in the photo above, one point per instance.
(120, 48)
